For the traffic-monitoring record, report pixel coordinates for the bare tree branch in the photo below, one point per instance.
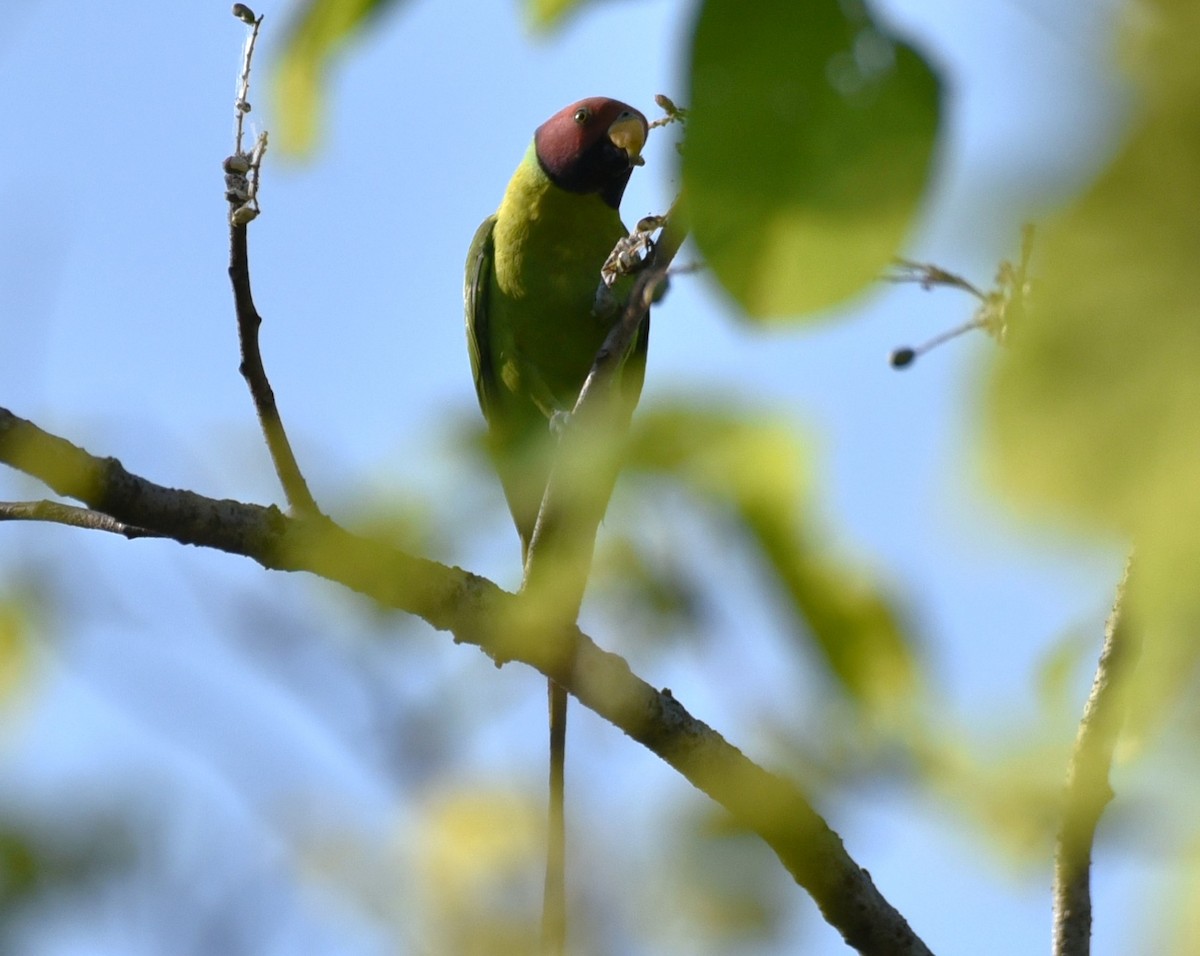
(58, 513)
(477, 612)
(1088, 791)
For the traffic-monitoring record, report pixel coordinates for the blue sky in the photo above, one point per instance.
(232, 700)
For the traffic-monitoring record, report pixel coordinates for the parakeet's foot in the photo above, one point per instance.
(629, 254)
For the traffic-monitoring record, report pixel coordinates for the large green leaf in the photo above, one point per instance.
(808, 149)
(753, 469)
(1095, 410)
(318, 31)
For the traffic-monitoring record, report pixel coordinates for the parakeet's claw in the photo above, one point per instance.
(674, 114)
(630, 253)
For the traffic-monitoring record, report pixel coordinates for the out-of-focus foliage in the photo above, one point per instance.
(650, 588)
(478, 868)
(808, 149)
(723, 891)
(1094, 413)
(1183, 920)
(15, 650)
(39, 864)
(753, 468)
(317, 32)
(1010, 787)
(544, 14)
(19, 866)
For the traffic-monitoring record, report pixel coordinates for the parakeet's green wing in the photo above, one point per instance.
(475, 293)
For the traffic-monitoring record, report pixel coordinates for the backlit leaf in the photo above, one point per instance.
(1095, 410)
(318, 31)
(754, 468)
(808, 149)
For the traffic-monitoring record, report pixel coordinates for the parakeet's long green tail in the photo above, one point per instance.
(554, 900)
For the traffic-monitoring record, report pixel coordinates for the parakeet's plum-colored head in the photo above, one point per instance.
(592, 146)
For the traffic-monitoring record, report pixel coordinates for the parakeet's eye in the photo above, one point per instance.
(582, 115)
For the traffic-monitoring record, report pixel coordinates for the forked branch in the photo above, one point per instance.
(242, 171)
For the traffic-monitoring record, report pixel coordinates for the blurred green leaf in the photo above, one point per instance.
(808, 149)
(545, 14)
(1094, 413)
(478, 855)
(16, 650)
(1057, 677)
(754, 468)
(550, 14)
(317, 32)
(19, 866)
(1010, 786)
(39, 859)
(651, 589)
(728, 892)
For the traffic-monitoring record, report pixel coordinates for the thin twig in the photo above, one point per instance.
(1088, 790)
(56, 512)
(1002, 309)
(242, 198)
(477, 612)
(299, 498)
(241, 105)
(927, 275)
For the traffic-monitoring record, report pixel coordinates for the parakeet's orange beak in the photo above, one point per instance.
(628, 132)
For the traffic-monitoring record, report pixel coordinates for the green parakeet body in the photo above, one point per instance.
(534, 327)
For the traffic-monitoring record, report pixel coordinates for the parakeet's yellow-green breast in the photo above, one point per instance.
(533, 322)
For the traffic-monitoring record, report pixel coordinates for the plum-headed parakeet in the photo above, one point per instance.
(534, 326)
